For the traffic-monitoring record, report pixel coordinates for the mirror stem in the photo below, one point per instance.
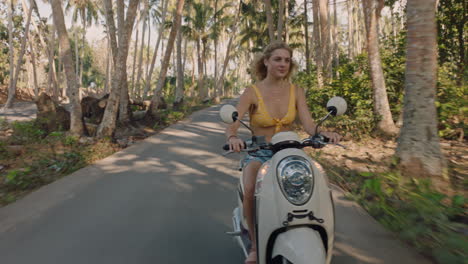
(246, 126)
(235, 118)
(321, 121)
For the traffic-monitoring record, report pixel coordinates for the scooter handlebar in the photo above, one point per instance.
(317, 141)
(226, 146)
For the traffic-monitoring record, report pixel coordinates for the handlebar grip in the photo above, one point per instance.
(226, 146)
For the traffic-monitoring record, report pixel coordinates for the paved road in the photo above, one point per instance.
(21, 111)
(166, 200)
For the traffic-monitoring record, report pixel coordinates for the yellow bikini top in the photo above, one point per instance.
(261, 117)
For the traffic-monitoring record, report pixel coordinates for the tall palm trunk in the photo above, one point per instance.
(77, 59)
(219, 84)
(335, 37)
(359, 21)
(152, 112)
(142, 49)
(119, 91)
(83, 43)
(135, 56)
(318, 44)
(33, 62)
(148, 47)
(164, 4)
(372, 10)
(280, 27)
(55, 77)
(200, 85)
(12, 88)
(179, 93)
(108, 67)
(325, 39)
(269, 16)
(306, 36)
(351, 29)
(418, 145)
(286, 22)
(76, 124)
(52, 86)
(216, 92)
(205, 70)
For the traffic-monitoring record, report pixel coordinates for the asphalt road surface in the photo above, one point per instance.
(165, 200)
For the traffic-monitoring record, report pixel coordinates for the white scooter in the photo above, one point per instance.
(294, 211)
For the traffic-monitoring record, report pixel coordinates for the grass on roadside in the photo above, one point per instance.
(434, 223)
(30, 159)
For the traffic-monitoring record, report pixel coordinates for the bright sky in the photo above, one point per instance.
(94, 33)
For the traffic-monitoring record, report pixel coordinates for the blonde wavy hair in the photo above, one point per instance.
(260, 70)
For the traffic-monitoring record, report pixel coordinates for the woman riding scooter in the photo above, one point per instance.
(272, 103)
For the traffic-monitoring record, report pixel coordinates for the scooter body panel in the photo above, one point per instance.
(272, 208)
(301, 245)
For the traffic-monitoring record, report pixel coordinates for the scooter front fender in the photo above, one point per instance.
(300, 246)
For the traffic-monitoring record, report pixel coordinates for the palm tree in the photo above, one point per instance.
(306, 31)
(152, 111)
(179, 92)
(76, 124)
(88, 12)
(269, 16)
(372, 10)
(233, 33)
(254, 29)
(199, 32)
(11, 89)
(418, 145)
(162, 16)
(144, 16)
(118, 97)
(16, 69)
(318, 43)
(220, 21)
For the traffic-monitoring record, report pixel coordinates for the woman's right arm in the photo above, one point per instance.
(245, 100)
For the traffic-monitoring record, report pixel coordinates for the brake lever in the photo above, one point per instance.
(242, 150)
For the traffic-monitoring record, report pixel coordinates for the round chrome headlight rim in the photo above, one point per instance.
(296, 179)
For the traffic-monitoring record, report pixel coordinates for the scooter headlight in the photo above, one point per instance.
(296, 179)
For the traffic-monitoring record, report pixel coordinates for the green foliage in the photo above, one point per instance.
(70, 140)
(20, 179)
(4, 64)
(3, 124)
(430, 220)
(353, 85)
(168, 117)
(26, 132)
(452, 105)
(451, 22)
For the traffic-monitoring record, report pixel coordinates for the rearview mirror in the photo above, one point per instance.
(337, 106)
(228, 113)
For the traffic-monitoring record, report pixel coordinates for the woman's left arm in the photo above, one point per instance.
(303, 112)
(306, 119)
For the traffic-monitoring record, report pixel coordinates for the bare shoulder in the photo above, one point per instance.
(248, 95)
(251, 94)
(300, 92)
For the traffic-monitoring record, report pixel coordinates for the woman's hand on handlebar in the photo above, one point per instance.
(333, 137)
(235, 144)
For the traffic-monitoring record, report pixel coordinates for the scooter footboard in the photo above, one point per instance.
(300, 246)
